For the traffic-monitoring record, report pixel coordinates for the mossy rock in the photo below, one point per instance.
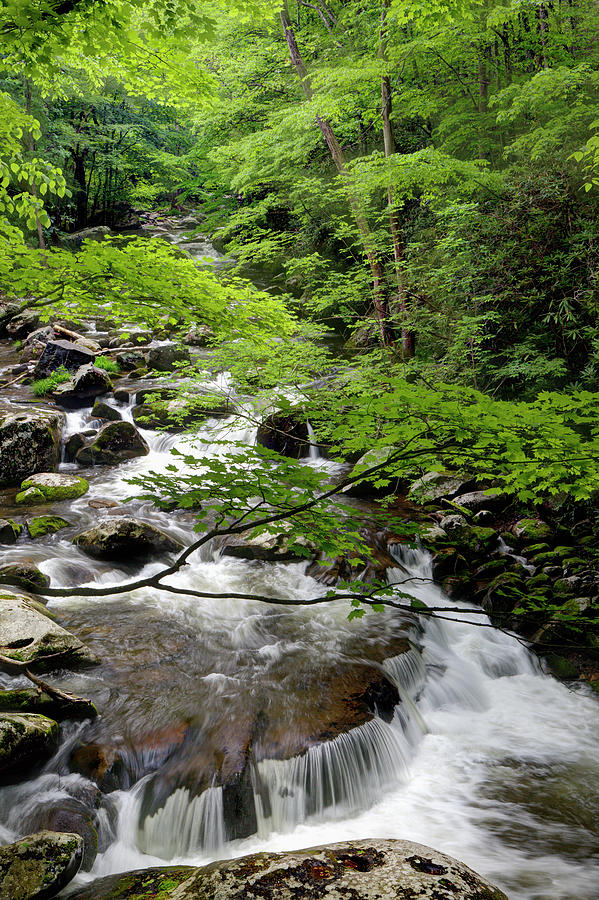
(539, 581)
(26, 740)
(561, 667)
(492, 569)
(9, 531)
(49, 487)
(39, 866)
(40, 526)
(25, 575)
(534, 549)
(529, 531)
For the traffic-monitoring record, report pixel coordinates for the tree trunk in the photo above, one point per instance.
(408, 341)
(81, 192)
(381, 304)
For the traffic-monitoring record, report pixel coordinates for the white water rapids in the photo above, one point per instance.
(487, 758)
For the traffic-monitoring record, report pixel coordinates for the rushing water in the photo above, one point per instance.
(485, 758)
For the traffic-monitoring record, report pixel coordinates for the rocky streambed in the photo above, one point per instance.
(181, 731)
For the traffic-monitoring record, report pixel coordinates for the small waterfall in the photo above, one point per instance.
(314, 451)
(185, 825)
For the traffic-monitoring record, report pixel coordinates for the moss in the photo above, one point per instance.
(34, 490)
(561, 667)
(42, 525)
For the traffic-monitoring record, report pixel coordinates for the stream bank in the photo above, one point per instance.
(231, 726)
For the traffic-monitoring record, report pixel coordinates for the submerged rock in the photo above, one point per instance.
(360, 870)
(39, 866)
(48, 487)
(26, 740)
(114, 443)
(122, 538)
(28, 635)
(29, 443)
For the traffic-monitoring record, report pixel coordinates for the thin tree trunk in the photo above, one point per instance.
(408, 341)
(376, 268)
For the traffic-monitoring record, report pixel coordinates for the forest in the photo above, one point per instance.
(299, 449)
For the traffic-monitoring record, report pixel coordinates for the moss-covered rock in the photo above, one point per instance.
(26, 741)
(48, 487)
(437, 485)
(9, 531)
(114, 443)
(39, 866)
(31, 700)
(360, 870)
(40, 526)
(531, 531)
(121, 538)
(102, 410)
(30, 442)
(24, 574)
(561, 667)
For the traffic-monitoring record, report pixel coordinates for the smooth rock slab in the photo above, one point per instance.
(125, 539)
(27, 635)
(39, 866)
(26, 740)
(353, 870)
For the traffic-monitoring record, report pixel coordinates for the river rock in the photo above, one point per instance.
(39, 866)
(22, 324)
(475, 501)
(267, 548)
(26, 741)
(48, 487)
(40, 526)
(89, 382)
(436, 486)
(114, 443)
(199, 336)
(71, 816)
(29, 443)
(164, 356)
(162, 410)
(28, 635)
(63, 353)
(32, 700)
(360, 870)
(9, 531)
(124, 538)
(35, 343)
(529, 531)
(102, 410)
(286, 433)
(24, 574)
(74, 240)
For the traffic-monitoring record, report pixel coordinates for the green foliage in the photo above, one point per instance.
(109, 365)
(47, 385)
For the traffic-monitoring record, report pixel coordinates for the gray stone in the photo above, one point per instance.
(164, 356)
(39, 866)
(31, 636)
(475, 501)
(89, 382)
(63, 353)
(74, 240)
(30, 442)
(361, 870)
(114, 443)
(125, 538)
(199, 336)
(436, 486)
(26, 740)
(102, 410)
(23, 324)
(24, 574)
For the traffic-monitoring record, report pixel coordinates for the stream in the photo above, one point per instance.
(485, 758)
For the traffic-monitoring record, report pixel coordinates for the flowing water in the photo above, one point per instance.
(485, 757)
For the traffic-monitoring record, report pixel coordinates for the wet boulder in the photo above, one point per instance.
(531, 531)
(102, 410)
(89, 382)
(362, 870)
(39, 866)
(30, 442)
(164, 357)
(125, 539)
(28, 634)
(114, 443)
(199, 336)
(436, 486)
(32, 700)
(24, 574)
(49, 487)
(164, 409)
(475, 501)
(35, 343)
(63, 353)
(71, 816)
(26, 741)
(286, 433)
(9, 531)
(40, 526)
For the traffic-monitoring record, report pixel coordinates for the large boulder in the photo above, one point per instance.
(63, 353)
(114, 443)
(23, 324)
(48, 487)
(125, 539)
(39, 866)
(102, 410)
(164, 357)
(436, 486)
(68, 815)
(28, 634)
(74, 240)
(89, 382)
(285, 432)
(29, 443)
(361, 870)
(26, 741)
